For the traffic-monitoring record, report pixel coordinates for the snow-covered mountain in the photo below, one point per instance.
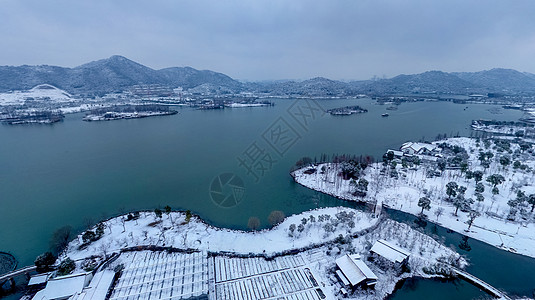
(118, 73)
(113, 74)
(427, 82)
(315, 87)
(501, 80)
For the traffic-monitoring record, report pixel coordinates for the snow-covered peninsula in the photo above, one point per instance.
(482, 188)
(308, 242)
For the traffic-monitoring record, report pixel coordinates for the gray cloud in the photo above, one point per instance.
(264, 39)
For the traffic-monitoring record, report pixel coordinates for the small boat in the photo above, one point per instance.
(385, 115)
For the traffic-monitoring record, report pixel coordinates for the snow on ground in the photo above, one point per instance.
(403, 194)
(322, 228)
(509, 129)
(43, 92)
(428, 258)
(240, 105)
(79, 108)
(172, 231)
(112, 115)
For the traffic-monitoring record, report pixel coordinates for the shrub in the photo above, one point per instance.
(66, 267)
(45, 261)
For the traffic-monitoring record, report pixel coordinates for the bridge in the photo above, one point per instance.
(11, 275)
(481, 284)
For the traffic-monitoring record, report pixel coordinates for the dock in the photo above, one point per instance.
(481, 284)
(16, 273)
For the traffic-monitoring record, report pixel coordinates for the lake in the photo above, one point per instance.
(76, 173)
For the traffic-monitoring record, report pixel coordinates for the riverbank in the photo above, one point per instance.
(501, 217)
(322, 235)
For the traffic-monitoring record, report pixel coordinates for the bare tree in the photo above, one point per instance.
(472, 215)
(276, 217)
(253, 223)
(60, 239)
(167, 209)
(438, 212)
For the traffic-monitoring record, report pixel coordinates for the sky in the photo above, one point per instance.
(274, 39)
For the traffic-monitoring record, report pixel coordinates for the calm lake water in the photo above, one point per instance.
(73, 172)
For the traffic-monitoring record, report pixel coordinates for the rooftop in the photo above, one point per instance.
(390, 251)
(63, 287)
(354, 269)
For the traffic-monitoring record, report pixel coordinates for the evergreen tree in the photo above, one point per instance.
(480, 188)
(424, 203)
(495, 179)
(158, 212)
(451, 189)
(44, 262)
(478, 176)
(531, 200)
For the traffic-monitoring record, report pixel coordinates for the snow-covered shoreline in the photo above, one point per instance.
(172, 230)
(325, 235)
(403, 193)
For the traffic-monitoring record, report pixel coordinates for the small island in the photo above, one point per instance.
(346, 111)
(129, 112)
(32, 117)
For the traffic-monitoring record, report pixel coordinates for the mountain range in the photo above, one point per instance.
(118, 73)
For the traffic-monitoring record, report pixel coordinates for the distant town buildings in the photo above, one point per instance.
(152, 90)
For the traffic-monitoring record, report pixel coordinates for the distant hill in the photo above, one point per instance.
(315, 87)
(118, 73)
(113, 74)
(501, 80)
(428, 82)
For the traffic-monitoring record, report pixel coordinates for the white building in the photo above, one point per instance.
(82, 286)
(354, 272)
(390, 252)
(397, 153)
(412, 148)
(64, 287)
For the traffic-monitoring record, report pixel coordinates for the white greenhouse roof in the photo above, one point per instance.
(354, 269)
(390, 251)
(63, 287)
(99, 286)
(38, 279)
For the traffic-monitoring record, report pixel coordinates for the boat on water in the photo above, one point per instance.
(385, 115)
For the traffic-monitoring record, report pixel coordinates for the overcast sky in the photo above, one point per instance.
(272, 39)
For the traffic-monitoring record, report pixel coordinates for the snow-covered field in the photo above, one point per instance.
(403, 193)
(506, 129)
(43, 92)
(172, 231)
